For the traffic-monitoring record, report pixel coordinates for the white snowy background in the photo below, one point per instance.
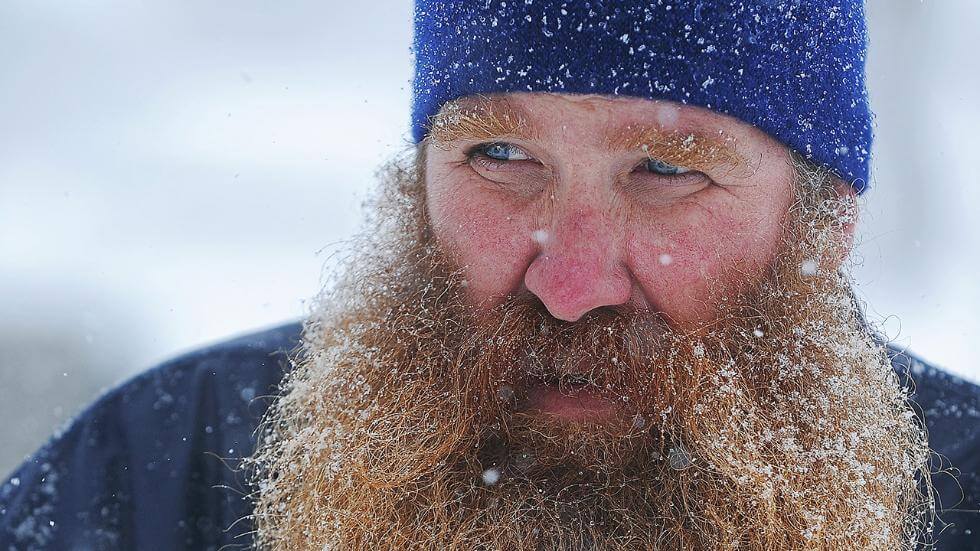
(174, 172)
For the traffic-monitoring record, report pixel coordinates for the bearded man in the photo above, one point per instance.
(602, 304)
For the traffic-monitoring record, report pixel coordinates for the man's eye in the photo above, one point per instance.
(501, 152)
(663, 168)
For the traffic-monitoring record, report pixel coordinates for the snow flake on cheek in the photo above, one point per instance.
(540, 237)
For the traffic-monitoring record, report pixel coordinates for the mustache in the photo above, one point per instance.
(622, 351)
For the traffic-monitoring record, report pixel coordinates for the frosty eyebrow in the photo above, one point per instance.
(486, 118)
(483, 119)
(689, 149)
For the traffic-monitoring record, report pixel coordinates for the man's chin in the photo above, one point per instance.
(571, 431)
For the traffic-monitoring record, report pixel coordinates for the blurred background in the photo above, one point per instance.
(174, 173)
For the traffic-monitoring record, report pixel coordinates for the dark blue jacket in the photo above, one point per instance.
(153, 464)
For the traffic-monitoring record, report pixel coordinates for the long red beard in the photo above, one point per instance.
(403, 426)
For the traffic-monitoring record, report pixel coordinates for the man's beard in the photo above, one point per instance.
(406, 421)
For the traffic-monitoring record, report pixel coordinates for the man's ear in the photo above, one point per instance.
(848, 213)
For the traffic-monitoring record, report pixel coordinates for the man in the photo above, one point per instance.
(602, 306)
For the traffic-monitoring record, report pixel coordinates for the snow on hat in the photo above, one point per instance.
(794, 68)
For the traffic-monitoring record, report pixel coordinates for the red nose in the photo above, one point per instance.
(579, 267)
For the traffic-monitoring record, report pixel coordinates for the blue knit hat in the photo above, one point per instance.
(794, 68)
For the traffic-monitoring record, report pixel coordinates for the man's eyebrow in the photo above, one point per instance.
(688, 149)
(482, 119)
(486, 118)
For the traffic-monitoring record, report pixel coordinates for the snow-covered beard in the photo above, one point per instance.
(779, 426)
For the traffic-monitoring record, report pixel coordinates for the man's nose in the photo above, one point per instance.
(579, 266)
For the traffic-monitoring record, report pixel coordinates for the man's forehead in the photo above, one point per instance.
(686, 135)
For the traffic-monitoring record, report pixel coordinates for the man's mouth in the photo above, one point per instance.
(570, 397)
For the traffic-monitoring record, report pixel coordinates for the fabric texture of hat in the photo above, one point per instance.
(793, 68)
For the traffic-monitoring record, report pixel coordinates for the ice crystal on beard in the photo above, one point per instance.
(809, 267)
(679, 458)
(639, 421)
(505, 393)
(491, 476)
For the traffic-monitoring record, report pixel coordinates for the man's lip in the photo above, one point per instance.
(575, 404)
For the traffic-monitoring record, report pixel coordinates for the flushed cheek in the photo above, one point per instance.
(491, 242)
(685, 270)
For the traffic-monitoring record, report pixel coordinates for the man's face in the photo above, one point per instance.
(583, 216)
(589, 323)
(592, 203)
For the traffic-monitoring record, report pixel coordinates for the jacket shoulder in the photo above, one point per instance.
(950, 407)
(950, 404)
(153, 462)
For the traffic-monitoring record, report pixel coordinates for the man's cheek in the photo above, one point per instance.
(674, 278)
(491, 244)
(685, 272)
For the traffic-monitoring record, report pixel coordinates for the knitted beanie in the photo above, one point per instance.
(793, 68)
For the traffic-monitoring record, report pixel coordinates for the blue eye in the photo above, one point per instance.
(657, 166)
(502, 152)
